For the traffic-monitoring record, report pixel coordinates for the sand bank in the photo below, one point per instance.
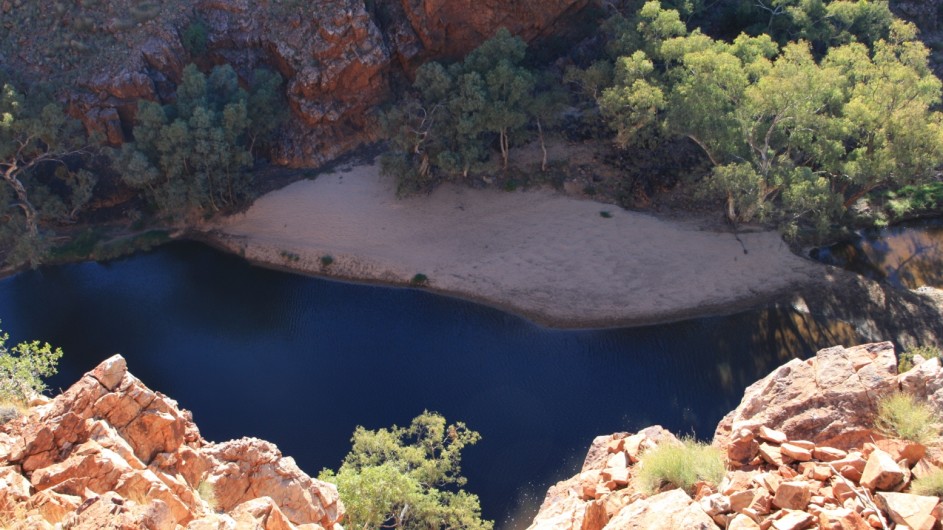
(552, 258)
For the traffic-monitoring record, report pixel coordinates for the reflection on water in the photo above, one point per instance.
(908, 255)
(302, 361)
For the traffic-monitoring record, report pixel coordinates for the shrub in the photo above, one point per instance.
(408, 477)
(9, 412)
(680, 466)
(906, 359)
(22, 368)
(289, 256)
(605, 214)
(207, 492)
(327, 260)
(902, 416)
(419, 279)
(931, 484)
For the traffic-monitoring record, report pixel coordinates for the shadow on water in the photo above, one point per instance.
(904, 303)
(908, 255)
(302, 361)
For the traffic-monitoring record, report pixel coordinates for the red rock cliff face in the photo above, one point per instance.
(336, 57)
(452, 28)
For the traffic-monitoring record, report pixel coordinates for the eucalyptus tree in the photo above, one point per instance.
(457, 113)
(40, 148)
(793, 136)
(193, 154)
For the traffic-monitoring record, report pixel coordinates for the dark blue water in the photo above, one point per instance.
(301, 361)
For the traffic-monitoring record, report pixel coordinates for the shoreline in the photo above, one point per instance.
(335, 273)
(553, 259)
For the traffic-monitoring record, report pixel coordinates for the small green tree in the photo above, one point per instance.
(508, 86)
(404, 477)
(22, 368)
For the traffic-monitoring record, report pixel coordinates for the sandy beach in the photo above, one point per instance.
(552, 258)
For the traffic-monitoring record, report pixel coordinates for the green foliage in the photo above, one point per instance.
(679, 466)
(909, 200)
(905, 360)
(591, 80)
(794, 135)
(22, 368)
(192, 155)
(823, 23)
(419, 280)
(405, 477)
(902, 416)
(194, 37)
(327, 260)
(289, 256)
(930, 484)
(457, 112)
(266, 107)
(39, 147)
(207, 492)
(98, 244)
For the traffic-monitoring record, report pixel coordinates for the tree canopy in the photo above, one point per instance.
(192, 155)
(457, 113)
(407, 477)
(793, 135)
(39, 146)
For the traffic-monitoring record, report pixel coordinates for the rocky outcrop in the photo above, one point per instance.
(337, 57)
(802, 453)
(828, 399)
(335, 60)
(109, 452)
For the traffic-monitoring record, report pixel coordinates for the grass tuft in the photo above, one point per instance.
(902, 416)
(679, 466)
(931, 484)
(207, 492)
(906, 359)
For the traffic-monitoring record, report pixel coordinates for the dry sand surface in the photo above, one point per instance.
(553, 258)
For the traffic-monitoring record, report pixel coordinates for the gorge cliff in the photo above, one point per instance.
(339, 59)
